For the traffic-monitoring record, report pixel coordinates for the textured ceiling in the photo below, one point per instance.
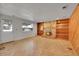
(38, 11)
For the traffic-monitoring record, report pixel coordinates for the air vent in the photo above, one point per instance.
(64, 7)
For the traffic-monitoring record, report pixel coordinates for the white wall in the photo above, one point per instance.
(18, 30)
(0, 31)
(7, 36)
(17, 33)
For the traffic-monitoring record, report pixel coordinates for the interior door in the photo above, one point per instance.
(40, 28)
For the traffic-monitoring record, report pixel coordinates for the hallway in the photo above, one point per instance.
(39, 29)
(37, 46)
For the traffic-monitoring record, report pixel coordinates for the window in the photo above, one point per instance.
(27, 27)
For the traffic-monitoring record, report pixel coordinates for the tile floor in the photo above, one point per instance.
(37, 46)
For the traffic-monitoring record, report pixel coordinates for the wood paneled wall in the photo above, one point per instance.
(74, 29)
(58, 28)
(62, 29)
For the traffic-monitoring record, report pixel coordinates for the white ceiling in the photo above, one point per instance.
(38, 11)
